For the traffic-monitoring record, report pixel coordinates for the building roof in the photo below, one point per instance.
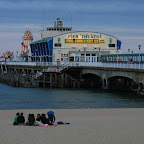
(28, 32)
(42, 40)
(27, 35)
(85, 31)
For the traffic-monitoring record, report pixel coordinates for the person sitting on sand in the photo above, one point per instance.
(51, 117)
(38, 117)
(15, 122)
(21, 119)
(31, 120)
(43, 119)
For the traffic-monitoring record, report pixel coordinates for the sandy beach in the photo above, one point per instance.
(87, 126)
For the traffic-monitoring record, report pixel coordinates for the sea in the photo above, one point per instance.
(12, 98)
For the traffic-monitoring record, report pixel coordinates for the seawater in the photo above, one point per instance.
(57, 98)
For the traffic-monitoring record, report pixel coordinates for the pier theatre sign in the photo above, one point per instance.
(92, 39)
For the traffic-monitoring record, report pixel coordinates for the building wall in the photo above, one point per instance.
(79, 46)
(103, 46)
(42, 51)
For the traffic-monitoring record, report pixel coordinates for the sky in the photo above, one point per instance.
(120, 18)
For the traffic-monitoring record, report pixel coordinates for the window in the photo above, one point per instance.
(77, 59)
(71, 58)
(111, 45)
(57, 44)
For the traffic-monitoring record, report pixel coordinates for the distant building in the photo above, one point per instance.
(60, 43)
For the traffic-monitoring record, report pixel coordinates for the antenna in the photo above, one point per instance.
(43, 20)
(71, 20)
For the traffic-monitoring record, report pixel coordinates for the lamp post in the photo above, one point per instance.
(132, 56)
(117, 56)
(139, 54)
(99, 54)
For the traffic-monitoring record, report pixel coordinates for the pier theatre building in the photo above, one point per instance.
(60, 43)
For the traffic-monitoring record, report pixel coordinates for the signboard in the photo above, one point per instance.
(91, 41)
(85, 36)
(54, 69)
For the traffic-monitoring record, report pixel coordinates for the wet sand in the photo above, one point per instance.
(87, 126)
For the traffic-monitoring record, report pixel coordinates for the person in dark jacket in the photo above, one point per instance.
(31, 120)
(38, 117)
(43, 118)
(21, 119)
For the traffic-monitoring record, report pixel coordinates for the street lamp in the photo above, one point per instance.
(117, 56)
(132, 56)
(139, 54)
(99, 54)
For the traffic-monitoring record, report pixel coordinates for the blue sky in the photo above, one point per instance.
(120, 18)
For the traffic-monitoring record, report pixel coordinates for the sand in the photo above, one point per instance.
(87, 126)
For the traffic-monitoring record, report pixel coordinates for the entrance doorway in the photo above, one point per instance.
(83, 57)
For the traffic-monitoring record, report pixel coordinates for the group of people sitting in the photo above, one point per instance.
(20, 119)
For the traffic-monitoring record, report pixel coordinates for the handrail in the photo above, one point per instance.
(78, 64)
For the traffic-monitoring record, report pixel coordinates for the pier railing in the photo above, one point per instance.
(101, 64)
(109, 65)
(61, 66)
(30, 63)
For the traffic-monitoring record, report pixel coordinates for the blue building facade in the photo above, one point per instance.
(42, 50)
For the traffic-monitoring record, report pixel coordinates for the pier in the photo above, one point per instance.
(73, 74)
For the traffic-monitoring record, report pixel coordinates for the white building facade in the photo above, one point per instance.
(62, 44)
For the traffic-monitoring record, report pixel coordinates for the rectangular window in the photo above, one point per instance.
(77, 59)
(111, 45)
(82, 58)
(57, 44)
(71, 58)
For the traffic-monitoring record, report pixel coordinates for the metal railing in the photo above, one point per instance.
(63, 66)
(30, 63)
(108, 65)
